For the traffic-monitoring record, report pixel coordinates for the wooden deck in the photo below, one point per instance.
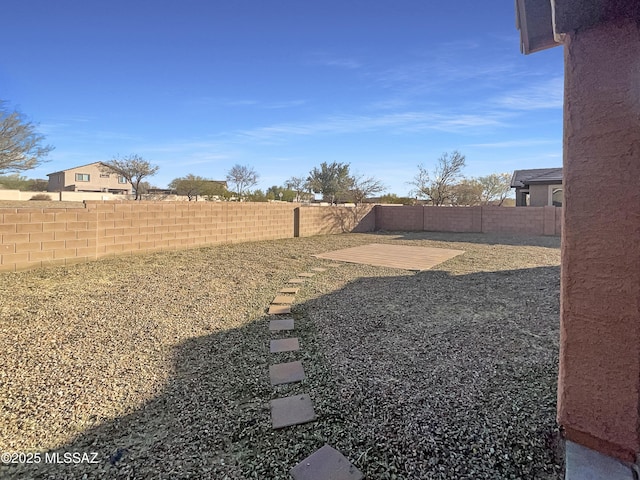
(395, 256)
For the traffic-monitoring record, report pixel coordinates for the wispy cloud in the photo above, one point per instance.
(402, 122)
(513, 143)
(328, 60)
(547, 94)
(246, 102)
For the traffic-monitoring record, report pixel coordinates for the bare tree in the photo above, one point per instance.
(133, 168)
(363, 187)
(495, 187)
(439, 187)
(20, 145)
(243, 177)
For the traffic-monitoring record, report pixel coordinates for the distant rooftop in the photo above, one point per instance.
(522, 178)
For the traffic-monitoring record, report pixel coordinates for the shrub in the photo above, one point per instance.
(41, 196)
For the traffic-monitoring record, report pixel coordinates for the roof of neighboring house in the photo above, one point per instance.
(522, 178)
(73, 168)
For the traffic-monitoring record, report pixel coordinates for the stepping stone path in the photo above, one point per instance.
(326, 463)
(286, 373)
(283, 299)
(281, 324)
(284, 345)
(279, 309)
(289, 290)
(289, 411)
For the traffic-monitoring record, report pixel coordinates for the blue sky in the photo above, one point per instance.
(282, 85)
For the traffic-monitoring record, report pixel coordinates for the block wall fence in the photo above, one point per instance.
(38, 237)
(518, 220)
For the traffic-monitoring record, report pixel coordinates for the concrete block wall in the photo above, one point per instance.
(453, 219)
(519, 220)
(151, 226)
(513, 220)
(33, 237)
(399, 218)
(332, 220)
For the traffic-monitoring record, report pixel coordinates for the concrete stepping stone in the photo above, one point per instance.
(306, 275)
(281, 324)
(318, 269)
(284, 345)
(296, 281)
(289, 411)
(326, 463)
(289, 290)
(286, 373)
(283, 299)
(279, 309)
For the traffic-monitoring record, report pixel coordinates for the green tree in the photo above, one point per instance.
(331, 180)
(21, 146)
(191, 186)
(495, 187)
(37, 185)
(18, 182)
(467, 192)
(438, 187)
(133, 168)
(256, 196)
(392, 198)
(13, 182)
(273, 193)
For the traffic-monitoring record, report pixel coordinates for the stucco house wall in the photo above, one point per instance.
(88, 178)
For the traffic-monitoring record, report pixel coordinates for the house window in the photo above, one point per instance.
(122, 179)
(82, 177)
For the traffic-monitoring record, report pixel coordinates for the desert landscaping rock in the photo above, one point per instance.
(281, 324)
(284, 345)
(283, 300)
(279, 309)
(293, 410)
(326, 463)
(289, 372)
(158, 362)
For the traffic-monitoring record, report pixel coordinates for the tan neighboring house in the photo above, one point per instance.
(538, 187)
(88, 178)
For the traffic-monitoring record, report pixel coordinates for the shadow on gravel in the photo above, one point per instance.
(425, 376)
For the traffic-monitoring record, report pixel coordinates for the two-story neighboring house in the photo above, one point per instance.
(88, 178)
(538, 187)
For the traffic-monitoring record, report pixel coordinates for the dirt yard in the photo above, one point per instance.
(159, 363)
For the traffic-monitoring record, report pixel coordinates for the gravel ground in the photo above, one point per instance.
(159, 363)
